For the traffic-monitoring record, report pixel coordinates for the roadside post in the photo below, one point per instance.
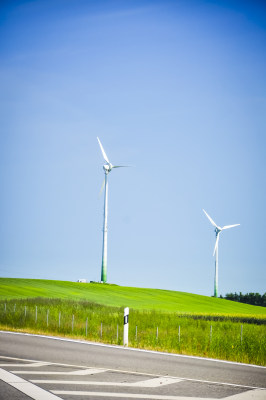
(126, 312)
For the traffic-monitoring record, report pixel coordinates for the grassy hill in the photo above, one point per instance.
(135, 298)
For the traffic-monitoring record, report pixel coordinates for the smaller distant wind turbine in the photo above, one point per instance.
(217, 231)
(107, 169)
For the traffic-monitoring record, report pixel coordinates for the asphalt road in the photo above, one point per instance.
(191, 376)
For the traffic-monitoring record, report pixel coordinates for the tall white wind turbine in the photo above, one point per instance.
(107, 169)
(217, 231)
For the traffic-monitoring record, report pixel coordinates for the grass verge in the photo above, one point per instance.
(228, 337)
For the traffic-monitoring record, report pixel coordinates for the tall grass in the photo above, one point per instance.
(184, 334)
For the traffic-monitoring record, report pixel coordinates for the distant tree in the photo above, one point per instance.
(254, 299)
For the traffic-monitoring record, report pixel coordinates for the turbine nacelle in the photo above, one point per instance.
(107, 168)
(217, 230)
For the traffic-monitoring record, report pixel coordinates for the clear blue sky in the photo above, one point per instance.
(175, 88)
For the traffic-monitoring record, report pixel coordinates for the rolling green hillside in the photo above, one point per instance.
(135, 298)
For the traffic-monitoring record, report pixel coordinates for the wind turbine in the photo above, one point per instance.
(107, 169)
(217, 231)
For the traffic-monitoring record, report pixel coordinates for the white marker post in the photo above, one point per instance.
(126, 312)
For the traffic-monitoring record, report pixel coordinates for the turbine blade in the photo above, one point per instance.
(120, 166)
(211, 221)
(229, 226)
(103, 152)
(216, 243)
(102, 188)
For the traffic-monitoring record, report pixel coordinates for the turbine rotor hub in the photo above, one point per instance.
(107, 168)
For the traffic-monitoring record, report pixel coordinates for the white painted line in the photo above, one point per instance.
(222, 383)
(23, 359)
(258, 394)
(40, 364)
(156, 382)
(126, 395)
(10, 378)
(89, 371)
(62, 365)
(132, 349)
(143, 374)
(39, 372)
(149, 383)
(25, 387)
(34, 392)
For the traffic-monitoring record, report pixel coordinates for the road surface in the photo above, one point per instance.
(43, 368)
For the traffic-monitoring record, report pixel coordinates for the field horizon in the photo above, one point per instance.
(124, 296)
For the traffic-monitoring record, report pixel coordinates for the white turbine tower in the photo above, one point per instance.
(107, 168)
(217, 231)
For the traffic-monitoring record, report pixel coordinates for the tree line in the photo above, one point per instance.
(254, 299)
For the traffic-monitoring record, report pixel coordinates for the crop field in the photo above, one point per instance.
(120, 296)
(179, 322)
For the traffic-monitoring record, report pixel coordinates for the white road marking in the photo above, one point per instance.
(127, 395)
(9, 378)
(141, 374)
(156, 382)
(131, 349)
(60, 364)
(258, 394)
(149, 383)
(223, 383)
(89, 371)
(177, 379)
(40, 364)
(25, 387)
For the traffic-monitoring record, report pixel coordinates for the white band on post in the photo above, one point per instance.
(126, 312)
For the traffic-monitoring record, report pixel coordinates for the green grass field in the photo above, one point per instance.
(120, 296)
(162, 320)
